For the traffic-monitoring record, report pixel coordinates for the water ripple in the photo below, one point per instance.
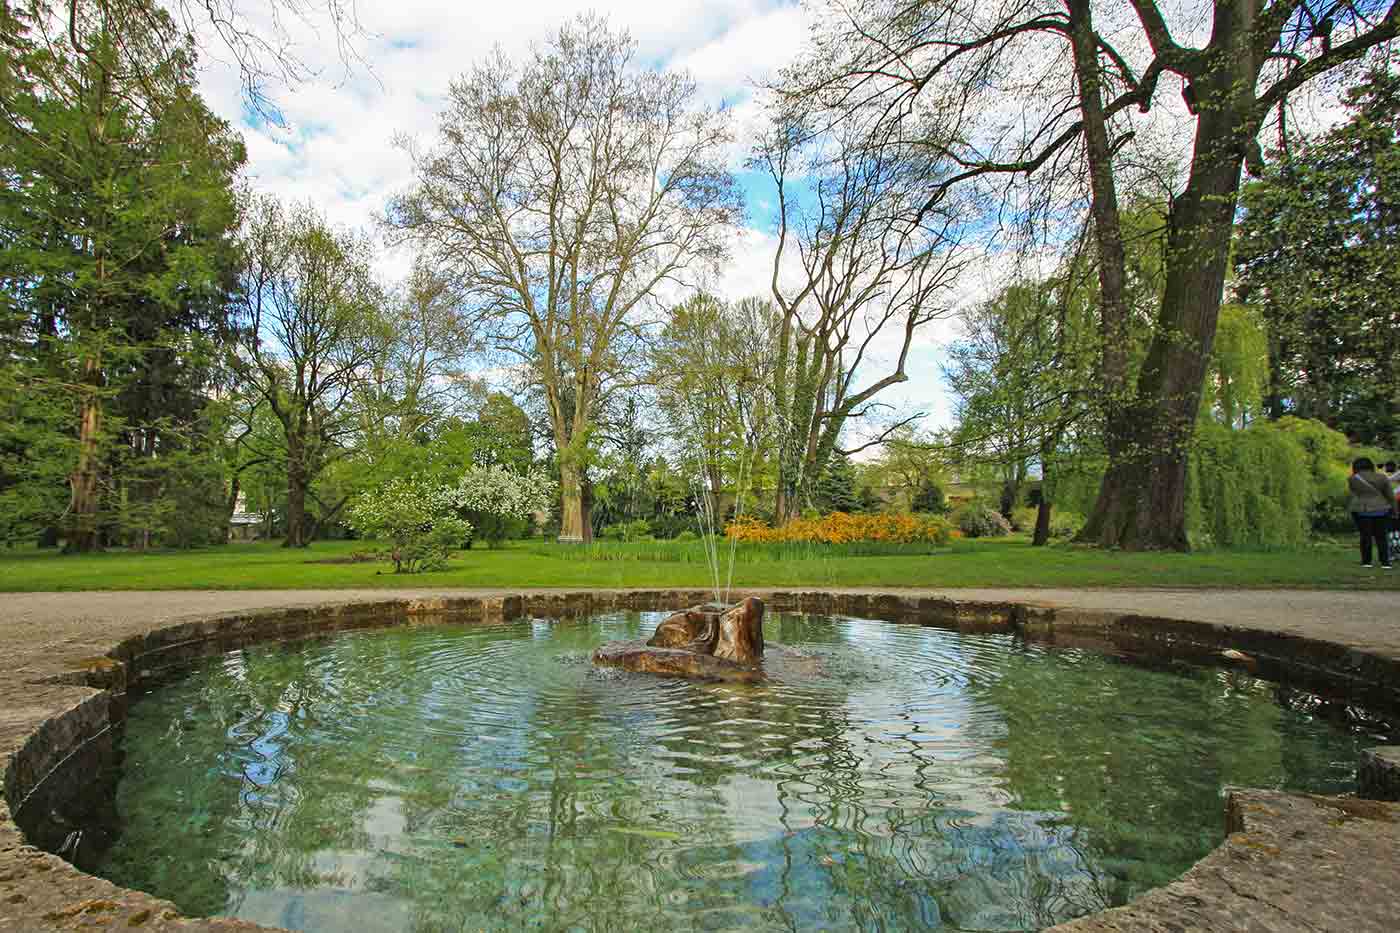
(445, 777)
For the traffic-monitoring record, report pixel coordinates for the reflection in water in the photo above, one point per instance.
(452, 778)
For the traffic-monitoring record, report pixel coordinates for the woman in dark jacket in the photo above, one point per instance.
(1372, 502)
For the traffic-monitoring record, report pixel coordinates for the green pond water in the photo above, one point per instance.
(465, 777)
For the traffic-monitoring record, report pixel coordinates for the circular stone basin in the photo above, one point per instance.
(480, 776)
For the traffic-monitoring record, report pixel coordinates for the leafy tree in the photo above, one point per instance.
(623, 445)
(1239, 368)
(946, 74)
(1249, 487)
(712, 366)
(1318, 257)
(562, 192)
(497, 500)
(929, 497)
(1018, 378)
(872, 258)
(501, 434)
(417, 379)
(309, 326)
(908, 463)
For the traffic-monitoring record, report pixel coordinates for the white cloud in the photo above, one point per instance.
(338, 150)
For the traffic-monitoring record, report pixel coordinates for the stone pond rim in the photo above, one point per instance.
(1291, 861)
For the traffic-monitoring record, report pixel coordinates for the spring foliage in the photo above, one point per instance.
(423, 522)
(1247, 488)
(417, 520)
(982, 521)
(499, 501)
(1318, 256)
(844, 528)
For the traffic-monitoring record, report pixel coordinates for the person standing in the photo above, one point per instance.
(1371, 504)
(1393, 472)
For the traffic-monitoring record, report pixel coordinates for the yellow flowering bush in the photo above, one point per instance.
(844, 528)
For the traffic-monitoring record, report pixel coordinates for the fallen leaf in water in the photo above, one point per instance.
(643, 831)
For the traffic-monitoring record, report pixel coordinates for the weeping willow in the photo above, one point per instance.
(1248, 488)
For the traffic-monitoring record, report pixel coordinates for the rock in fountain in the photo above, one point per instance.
(709, 642)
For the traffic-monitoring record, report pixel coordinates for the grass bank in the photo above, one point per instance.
(984, 563)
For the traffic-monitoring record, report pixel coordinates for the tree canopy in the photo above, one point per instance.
(1318, 257)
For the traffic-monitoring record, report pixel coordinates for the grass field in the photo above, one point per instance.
(1004, 562)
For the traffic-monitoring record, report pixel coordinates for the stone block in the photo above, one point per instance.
(1378, 775)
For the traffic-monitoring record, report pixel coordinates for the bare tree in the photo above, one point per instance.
(310, 328)
(860, 267)
(1042, 89)
(260, 36)
(563, 195)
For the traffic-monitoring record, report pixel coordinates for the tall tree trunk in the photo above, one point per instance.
(1142, 502)
(1049, 443)
(83, 536)
(296, 495)
(575, 523)
(1103, 207)
(1042, 521)
(715, 478)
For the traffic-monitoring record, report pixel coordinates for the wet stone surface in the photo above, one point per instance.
(1378, 776)
(1291, 862)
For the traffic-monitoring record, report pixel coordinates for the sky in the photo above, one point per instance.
(338, 146)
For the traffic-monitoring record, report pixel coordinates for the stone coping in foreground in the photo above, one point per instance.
(1291, 862)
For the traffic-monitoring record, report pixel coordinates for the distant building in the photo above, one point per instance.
(243, 525)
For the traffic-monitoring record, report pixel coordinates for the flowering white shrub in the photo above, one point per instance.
(417, 520)
(497, 498)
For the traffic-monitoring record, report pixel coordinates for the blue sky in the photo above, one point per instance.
(337, 149)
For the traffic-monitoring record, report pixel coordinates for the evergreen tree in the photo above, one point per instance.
(835, 489)
(114, 266)
(1318, 254)
(929, 497)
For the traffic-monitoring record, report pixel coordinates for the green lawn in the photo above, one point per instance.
(1006, 562)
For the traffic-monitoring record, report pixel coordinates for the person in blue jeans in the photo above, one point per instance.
(1371, 504)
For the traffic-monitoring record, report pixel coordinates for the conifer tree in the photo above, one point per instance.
(114, 252)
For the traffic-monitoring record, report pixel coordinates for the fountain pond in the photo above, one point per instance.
(478, 776)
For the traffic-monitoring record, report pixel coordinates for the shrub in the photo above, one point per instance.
(687, 535)
(670, 525)
(499, 502)
(1023, 519)
(634, 530)
(980, 521)
(844, 528)
(417, 520)
(929, 497)
(1065, 523)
